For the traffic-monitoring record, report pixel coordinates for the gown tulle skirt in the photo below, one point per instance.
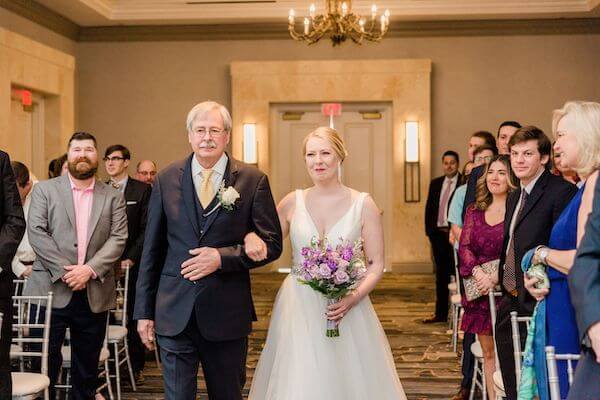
(299, 362)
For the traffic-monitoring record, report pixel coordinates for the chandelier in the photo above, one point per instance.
(340, 23)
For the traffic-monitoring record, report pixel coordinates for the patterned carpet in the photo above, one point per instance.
(424, 360)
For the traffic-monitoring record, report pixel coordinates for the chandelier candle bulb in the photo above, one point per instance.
(344, 9)
(311, 10)
(361, 22)
(306, 25)
(373, 11)
(292, 16)
(387, 17)
(383, 23)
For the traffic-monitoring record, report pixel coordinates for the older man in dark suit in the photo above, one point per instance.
(194, 282)
(12, 228)
(584, 285)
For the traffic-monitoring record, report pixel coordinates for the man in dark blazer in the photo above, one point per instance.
(437, 229)
(137, 196)
(12, 228)
(531, 211)
(194, 282)
(584, 287)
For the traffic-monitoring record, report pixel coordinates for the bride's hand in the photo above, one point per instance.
(337, 311)
(255, 247)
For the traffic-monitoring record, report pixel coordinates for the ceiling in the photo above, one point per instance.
(90, 13)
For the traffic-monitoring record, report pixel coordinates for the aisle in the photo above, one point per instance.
(426, 366)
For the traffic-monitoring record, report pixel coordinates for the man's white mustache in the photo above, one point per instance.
(208, 145)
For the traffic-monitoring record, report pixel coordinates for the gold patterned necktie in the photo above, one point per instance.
(206, 189)
(509, 279)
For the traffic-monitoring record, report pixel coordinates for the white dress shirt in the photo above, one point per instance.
(216, 177)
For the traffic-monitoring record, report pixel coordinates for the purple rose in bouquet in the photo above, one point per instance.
(334, 272)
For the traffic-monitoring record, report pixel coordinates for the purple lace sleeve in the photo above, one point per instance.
(466, 253)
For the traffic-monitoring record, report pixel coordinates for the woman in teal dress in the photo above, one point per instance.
(577, 130)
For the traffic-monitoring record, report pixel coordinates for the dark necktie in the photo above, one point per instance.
(509, 279)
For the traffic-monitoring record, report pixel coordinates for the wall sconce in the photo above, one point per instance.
(412, 170)
(250, 144)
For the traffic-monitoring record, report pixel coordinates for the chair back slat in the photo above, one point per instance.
(553, 378)
(515, 320)
(120, 310)
(493, 313)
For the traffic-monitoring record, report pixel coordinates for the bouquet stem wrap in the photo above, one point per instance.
(333, 329)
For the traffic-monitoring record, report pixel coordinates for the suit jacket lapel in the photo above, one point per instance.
(188, 193)
(67, 196)
(229, 178)
(97, 206)
(534, 196)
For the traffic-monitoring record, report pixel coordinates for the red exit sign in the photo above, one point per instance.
(329, 109)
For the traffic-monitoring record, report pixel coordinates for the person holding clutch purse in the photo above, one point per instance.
(479, 252)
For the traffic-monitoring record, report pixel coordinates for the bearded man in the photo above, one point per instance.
(77, 227)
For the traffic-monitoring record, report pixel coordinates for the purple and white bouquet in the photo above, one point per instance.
(332, 271)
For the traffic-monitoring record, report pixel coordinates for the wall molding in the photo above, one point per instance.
(278, 30)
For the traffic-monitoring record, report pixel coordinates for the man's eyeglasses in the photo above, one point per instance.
(107, 159)
(147, 173)
(486, 159)
(213, 132)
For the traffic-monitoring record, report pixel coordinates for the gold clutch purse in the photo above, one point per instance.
(471, 291)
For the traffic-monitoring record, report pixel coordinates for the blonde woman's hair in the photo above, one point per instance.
(332, 136)
(483, 197)
(586, 118)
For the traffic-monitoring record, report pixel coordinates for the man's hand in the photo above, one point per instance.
(537, 294)
(594, 335)
(205, 261)
(126, 264)
(77, 276)
(255, 247)
(145, 328)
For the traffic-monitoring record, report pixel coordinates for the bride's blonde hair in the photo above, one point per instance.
(332, 136)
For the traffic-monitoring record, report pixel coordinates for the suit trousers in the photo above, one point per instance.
(443, 256)
(137, 350)
(87, 337)
(504, 343)
(223, 364)
(586, 385)
(6, 308)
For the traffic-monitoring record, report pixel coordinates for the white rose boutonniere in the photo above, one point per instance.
(228, 197)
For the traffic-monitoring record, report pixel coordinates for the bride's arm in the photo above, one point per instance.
(285, 209)
(372, 234)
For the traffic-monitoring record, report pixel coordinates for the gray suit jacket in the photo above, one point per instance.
(53, 236)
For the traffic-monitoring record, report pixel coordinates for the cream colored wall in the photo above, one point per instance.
(48, 72)
(139, 93)
(23, 26)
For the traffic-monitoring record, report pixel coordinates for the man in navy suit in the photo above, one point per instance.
(584, 285)
(194, 283)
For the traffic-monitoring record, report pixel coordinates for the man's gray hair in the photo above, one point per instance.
(200, 109)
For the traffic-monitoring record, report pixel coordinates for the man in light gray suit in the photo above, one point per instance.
(77, 227)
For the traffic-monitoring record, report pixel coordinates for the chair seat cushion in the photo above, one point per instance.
(499, 383)
(116, 333)
(28, 383)
(476, 350)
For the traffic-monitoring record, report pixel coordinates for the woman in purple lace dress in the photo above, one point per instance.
(480, 242)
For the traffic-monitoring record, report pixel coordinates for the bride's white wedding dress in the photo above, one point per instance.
(298, 361)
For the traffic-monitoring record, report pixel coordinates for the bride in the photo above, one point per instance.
(298, 361)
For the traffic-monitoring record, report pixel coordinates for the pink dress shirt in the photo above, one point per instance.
(82, 203)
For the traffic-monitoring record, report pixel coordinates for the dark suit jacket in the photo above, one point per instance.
(137, 197)
(584, 277)
(433, 203)
(545, 203)
(222, 301)
(472, 187)
(12, 221)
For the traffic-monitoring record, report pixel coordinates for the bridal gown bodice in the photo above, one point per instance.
(299, 362)
(303, 227)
